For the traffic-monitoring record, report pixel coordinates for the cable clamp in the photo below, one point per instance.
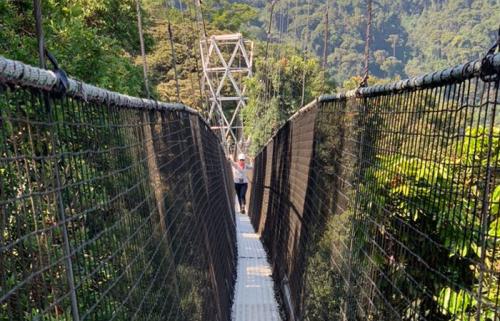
(488, 72)
(62, 84)
(363, 84)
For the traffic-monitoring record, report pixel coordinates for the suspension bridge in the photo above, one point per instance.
(381, 203)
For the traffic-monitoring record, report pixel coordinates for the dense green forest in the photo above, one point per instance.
(408, 37)
(97, 40)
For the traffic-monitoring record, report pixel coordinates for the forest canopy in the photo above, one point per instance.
(102, 34)
(97, 41)
(408, 37)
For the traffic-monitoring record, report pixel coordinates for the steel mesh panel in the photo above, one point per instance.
(398, 203)
(110, 212)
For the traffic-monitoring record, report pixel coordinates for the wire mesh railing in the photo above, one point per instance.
(111, 207)
(383, 203)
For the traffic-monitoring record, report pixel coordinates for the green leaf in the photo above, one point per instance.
(495, 201)
(452, 302)
(494, 228)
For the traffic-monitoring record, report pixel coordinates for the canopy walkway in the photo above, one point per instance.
(377, 204)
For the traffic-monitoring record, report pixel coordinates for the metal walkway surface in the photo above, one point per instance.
(254, 298)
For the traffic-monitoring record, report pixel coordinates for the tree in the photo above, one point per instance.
(392, 66)
(275, 93)
(82, 36)
(393, 39)
(380, 56)
(454, 34)
(225, 15)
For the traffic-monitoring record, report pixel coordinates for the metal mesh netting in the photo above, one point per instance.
(110, 212)
(384, 204)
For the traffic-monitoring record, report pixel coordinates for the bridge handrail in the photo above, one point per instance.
(17, 73)
(433, 79)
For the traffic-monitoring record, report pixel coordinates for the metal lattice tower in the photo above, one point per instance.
(227, 62)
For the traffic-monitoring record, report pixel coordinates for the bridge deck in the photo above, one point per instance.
(254, 298)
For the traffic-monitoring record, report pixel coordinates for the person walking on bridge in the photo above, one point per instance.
(240, 175)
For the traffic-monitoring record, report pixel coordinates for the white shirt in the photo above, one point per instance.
(240, 174)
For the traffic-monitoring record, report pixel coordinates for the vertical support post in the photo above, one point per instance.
(325, 45)
(269, 29)
(174, 56)
(174, 61)
(199, 18)
(37, 6)
(143, 47)
(37, 10)
(367, 42)
(306, 49)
